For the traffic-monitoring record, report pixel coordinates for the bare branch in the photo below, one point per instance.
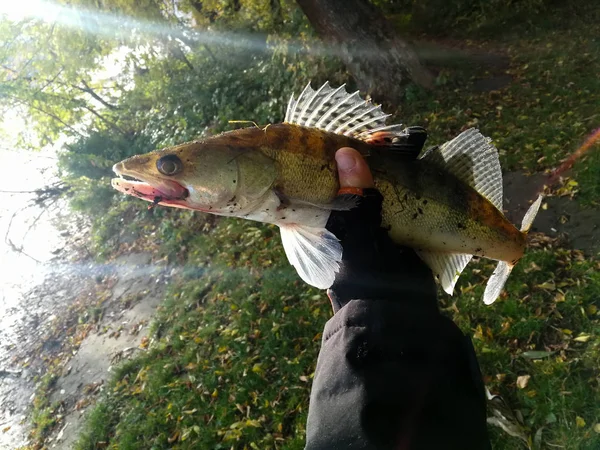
(112, 124)
(87, 89)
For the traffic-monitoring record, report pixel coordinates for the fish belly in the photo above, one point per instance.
(428, 209)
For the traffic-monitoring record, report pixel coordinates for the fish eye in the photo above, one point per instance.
(169, 165)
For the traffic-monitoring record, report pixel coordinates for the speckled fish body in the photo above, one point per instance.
(446, 204)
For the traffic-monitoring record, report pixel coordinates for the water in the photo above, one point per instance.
(30, 229)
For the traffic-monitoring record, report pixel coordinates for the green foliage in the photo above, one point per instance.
(471, 17)
(94, 155)
(43, 416)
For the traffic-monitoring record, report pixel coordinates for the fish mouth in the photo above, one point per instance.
(157, 191)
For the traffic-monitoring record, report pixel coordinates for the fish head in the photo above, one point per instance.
(215, 178)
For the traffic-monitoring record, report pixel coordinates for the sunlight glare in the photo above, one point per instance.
(24, 8)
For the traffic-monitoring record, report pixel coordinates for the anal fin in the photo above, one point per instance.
(496, 282)
(446, 266)
(314, 252)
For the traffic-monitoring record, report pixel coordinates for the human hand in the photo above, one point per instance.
(373, 266)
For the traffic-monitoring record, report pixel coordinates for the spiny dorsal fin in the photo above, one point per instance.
(471, 158)
(337, 111)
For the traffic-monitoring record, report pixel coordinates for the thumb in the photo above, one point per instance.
(353, 171)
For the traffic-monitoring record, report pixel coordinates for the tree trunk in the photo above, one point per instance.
(373, 53)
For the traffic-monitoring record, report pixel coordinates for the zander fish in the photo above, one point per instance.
(445, 203)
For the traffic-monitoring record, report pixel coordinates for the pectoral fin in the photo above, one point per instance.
(314, 252)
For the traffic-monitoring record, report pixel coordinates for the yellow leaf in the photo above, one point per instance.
(592, 309)
(533, 267)
(257, 368)
(547, 285)
(580, 422)
(252, 423)
(215, 394)
(478, 333)
(582, 338)
(597, 428)
(522, 381)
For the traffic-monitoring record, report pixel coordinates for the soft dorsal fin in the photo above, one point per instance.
(337, 111)
(471, 158)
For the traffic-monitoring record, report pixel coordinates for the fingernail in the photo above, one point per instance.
(345, 161)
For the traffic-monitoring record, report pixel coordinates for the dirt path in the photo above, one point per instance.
(123, 331)
(119, 298)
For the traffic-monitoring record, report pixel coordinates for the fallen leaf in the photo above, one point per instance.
(597, 428)
(536, 354)
(580, 422)
(537, 439)
(533, 267)
(547, 285)
(522, 381)
(582, 338)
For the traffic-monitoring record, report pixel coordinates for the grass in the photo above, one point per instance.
(234, 345)
(232, 358)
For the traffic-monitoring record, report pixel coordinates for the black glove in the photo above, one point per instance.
(373, 266)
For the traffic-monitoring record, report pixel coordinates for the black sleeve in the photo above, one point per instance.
(393, 376)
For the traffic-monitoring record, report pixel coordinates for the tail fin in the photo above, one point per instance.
(503, 269)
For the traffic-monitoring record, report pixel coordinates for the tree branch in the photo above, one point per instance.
(112, 124)
(87, 89)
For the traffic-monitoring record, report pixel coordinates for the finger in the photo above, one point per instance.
(353, 171)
